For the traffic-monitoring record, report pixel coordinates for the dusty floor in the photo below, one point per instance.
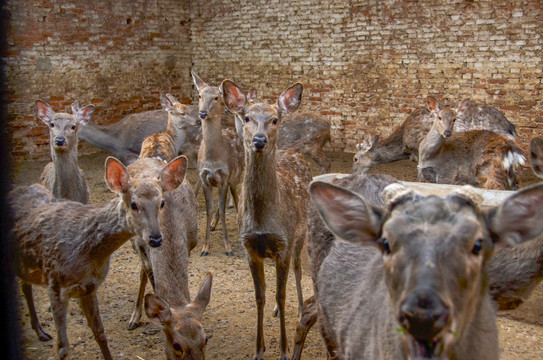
(230, 320)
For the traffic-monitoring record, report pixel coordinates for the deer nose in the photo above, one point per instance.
(60, 141)
(260, 141)
(203, 114)
(424, 315)
(155, 240)
(447, 133)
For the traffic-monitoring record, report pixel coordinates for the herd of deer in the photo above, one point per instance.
(419, 277)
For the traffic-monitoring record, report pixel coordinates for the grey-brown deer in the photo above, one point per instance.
(220, 159)
(404, 141)
(66, 245)
(410, 270)
(272, 215)
(63, 176)
(480, 158)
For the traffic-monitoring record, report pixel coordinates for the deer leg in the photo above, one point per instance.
(34, 321)
(234, 193)
(281, 269)
(59, 305)
(297, 261)
(223, 192)
(197, 187)
(257, 271)
(307, 320)
(89, 306)
(208, 194)
(136, 315)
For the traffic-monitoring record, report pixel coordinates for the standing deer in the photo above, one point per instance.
(124, 138)
(481, 158)
(272, 213)
(404, 141)
(66, 245)
(410, 270)
(62, 176)
(220, 159)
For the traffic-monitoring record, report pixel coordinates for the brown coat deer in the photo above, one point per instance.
(66, 245)
(272, 211)
(410, 270)
(404, 141)
(220, 159)
(481, 158)
(63, 176)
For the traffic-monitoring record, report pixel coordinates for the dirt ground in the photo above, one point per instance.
(230, 319)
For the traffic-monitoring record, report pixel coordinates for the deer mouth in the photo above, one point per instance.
(425, 349)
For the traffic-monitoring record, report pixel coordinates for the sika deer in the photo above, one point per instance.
(272, 212)
(124, 138)
(167, 144)
(66, 245)
(481, 158)
(411, 274)
(220, 159)
(404, 141)
(179, 228)
(62, 176)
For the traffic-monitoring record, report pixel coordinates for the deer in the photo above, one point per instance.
(124, 138)
(411, 270)
(62, 176)
(220, 159)
(272, 215)
(168, 144)
(404, 141)
(66, 246)
(481, 158)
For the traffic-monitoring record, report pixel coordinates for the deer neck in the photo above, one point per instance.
(431, 143)
(67, 171)
(170, 129)
(212, 139)
(389, 149)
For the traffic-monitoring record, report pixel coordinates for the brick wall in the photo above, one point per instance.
(118, 55)
(365, 64)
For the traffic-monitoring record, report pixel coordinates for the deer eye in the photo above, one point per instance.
(176, 346)
(477, 247)
(52, 125)
(275, 121)
(134, 206)
(162, 204)
(216, 98)
(198, 122)
(246, 119)
(383, 244)
(73, 127)
(356, 159)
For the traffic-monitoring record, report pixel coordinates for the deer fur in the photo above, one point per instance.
(66, 245)
(272, 211)
(397, 266)
(480, 158)
(62, 176)
(404, 141)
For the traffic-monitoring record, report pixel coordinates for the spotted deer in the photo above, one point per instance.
(480, 158)
(404, 141)
(272, 211)
(220, 159)
(410, 270)
(62, 176)
(66, 245)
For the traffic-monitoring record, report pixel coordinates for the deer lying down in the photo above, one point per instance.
(411, 270)
(66, 245)
(404, 142)
(481, 158)
(62, 176)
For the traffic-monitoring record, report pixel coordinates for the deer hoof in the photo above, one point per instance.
(45, 336)
(204, 253)
(284, 357)
(133, 325)
(229, 253)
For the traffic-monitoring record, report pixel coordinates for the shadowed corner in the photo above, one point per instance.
(10, 341)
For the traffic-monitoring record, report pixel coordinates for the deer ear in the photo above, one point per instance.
(518, 218)
(173, 174)
(199, 83)
(167, 103)
(117, 177)
(84, 114)
(462, 106)
(44, 110)
(432, 104)
(536, 156)
(157, 310)
(251, 96)
(75, 107)
(233, 97)
(345, 213)
(290, 99)
(204, 295)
